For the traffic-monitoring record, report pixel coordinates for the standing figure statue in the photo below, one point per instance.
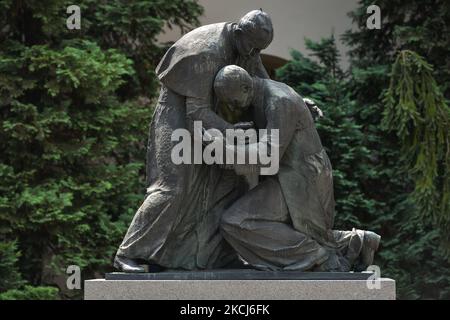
(286, 221)
(177, 225)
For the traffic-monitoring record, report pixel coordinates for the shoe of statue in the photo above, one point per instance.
(371, 242)
(335, 262)
(127, 265)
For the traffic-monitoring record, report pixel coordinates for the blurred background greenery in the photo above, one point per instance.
(75, 109)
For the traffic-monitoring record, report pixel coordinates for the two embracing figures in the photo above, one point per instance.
(209, 216)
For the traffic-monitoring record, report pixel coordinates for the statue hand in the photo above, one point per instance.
(317, 113)
(244, 125)
(313, 108)
(246, 169)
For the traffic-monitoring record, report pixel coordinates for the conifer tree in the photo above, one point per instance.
(416, 111)
(74, 112)
(411, 250)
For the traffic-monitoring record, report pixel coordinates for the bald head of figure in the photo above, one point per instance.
(253, 33)
(234, 86)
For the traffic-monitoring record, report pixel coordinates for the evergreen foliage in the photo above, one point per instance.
(74, 112)
(412, 252)
(417, 112)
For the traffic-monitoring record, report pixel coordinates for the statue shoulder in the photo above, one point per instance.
(190, 64)
(283, 95)
(205, 40)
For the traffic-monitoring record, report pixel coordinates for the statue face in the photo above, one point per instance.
(239, 95)
(254, 33)
(234, 87)
(249, 45)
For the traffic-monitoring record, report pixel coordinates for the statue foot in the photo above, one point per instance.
(127, 265)
(334, 263)
(371, 243)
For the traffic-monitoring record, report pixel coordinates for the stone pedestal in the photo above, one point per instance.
(225, 286)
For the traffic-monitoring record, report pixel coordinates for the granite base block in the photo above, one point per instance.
(276, 289)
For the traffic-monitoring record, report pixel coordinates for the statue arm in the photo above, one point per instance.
(261, 71)
(199, 109)
(254, 66)
(282, 116)
(274, 142)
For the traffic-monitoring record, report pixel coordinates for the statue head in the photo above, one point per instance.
(234, 86)
(253, 33)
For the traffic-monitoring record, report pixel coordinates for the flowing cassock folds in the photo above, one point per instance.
(177, 226)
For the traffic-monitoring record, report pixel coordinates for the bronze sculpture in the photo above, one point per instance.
(204, 216)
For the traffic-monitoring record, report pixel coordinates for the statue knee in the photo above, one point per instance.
(229, 221)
